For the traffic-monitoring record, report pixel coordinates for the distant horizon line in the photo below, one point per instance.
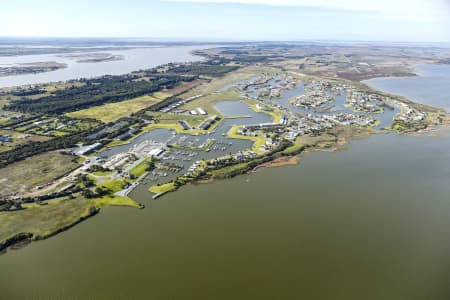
(215, 41)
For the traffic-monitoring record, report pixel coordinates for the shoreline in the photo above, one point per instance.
(31, 68)
(286, 154)
(414, 100)
(25, 237)
(281, 160)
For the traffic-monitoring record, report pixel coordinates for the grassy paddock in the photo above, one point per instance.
(167, 118)
(164, 188)
(113, 200)
(296, 148)
(113, 111)
(141, 168)
(208, 102)
(225, 171)
(43, 221)
(22, 176)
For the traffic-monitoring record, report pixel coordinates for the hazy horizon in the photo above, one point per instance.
(231, 20)
(148, 41)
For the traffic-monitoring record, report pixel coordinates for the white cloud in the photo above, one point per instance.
(421, 10)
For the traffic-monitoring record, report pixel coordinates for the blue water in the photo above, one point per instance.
(431, 86)
(134, 59)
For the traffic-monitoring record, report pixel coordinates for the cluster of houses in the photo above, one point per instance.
(267, 86)
(317, 94)
(363, 102)
(316, 123)
(312, 99)
(409, 114)
(50, 126)
(352, 119)
(312, 124)
(259, 80)
(272, 86)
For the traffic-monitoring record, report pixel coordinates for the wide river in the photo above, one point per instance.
(370, 222)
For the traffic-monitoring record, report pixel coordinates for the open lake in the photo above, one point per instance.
(431, 86)
(369, 222)
(372, 222)
(134, 59)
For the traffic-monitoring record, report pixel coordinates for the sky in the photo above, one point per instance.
(225, 20)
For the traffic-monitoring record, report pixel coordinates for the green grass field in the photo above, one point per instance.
(167, 118)
(141, 168)
(114, 185)
(113, 200)
(208, 102)
(164, 188)
(294, 149)
(113, 111)
(226, 171)
(44, 220)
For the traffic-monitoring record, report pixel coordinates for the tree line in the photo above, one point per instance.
(94, 92)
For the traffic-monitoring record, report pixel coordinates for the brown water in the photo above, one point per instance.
(372, 222)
